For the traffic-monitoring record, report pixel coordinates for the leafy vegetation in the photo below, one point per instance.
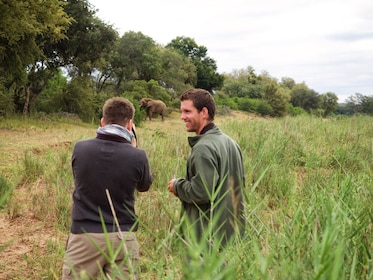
(308, 198)
(60, 57)
(309, 187)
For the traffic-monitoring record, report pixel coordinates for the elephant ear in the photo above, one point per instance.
(150, 103)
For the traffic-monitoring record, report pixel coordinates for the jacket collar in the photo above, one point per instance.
(192, 140)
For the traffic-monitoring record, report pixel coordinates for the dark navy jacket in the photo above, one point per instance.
(107, 162)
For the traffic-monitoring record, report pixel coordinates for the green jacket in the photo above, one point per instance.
(215, 180)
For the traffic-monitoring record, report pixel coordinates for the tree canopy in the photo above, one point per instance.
(59, 56)
(207, 76)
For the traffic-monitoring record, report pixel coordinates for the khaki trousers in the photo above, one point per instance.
(88, 256)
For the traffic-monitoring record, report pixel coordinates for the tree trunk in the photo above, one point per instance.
(27, 101)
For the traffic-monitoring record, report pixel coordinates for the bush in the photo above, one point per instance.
(296, 111)
(228, 102)
(78, 99)
(264, 108)
(6, 102)
(247, 104)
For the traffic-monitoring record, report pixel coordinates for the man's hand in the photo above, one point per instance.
(170, 186)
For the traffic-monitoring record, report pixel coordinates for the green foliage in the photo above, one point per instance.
(49, 100)
(178, 73)
(296, 111)
(88, 40)
(248, 105)
(243, 83)
(304, 97)
(156, 91)
(78, 99)
(32, 168)
(287, 82)
(135, 90)
(367, 105)
(175, 103)
(264, 108)
(139, 114)
(329, 103)
(359, 103)
(238, 89)
(28, 30)
(40, 39)
(222, 100)
(6, 190)
(136, 58)
(6, 102)
(207, 76)
(140, 88)
(278, 98)
(27, 27)
(308, 201)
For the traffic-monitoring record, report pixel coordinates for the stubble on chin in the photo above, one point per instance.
(189, 128)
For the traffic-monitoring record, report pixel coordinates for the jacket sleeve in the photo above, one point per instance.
(203, 177)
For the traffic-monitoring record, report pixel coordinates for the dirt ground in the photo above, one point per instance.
(21, 234)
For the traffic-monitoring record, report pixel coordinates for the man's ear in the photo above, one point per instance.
(129, 125)
(205, 112)
(102, 122)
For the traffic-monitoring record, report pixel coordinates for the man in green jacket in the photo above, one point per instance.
(211, 193)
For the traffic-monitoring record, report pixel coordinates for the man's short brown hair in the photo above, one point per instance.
(201, 98)
(118, 110)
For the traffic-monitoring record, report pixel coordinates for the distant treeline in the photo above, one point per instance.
(60, 57)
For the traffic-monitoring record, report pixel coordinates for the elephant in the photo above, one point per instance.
(153, 106)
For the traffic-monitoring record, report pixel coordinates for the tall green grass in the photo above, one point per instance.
(308, 202)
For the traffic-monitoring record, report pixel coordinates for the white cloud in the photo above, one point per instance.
(328, 44)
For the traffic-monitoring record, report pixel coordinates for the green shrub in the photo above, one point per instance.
(248, 105)
(264, 108)
(32, 168)
(296, 111)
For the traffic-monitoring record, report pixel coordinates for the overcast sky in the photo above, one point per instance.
(328, 44)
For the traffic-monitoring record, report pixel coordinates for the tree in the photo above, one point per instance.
(367, 105)
(329, 103)
(78, 99)
(27, 29)
(178, 73)
(278, 98)
(244, 75)
(137, 58)
(207, 76)
(287, 82)
(304, 97)
(88, 40)
(359, 103)
(48, 101)
(243, 83)
(6, 101)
